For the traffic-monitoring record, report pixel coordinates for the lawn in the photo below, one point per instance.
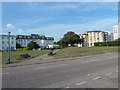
(84, 51)
(15, 55)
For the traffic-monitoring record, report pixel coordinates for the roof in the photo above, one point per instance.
(35, 36)
(94, 31)
(7, 35)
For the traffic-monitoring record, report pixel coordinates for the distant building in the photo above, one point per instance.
(115, 32)
(41, 40)
(85, 40)
(53, 46)
(4, 46)
(90, 37)
(110, 36)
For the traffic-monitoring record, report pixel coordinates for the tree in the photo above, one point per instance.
(33, 45)
(18, 45)
(70, 38)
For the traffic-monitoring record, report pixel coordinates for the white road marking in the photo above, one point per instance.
(108, 74)
(67, 87)
(96, 78)
(93, 60)
(39, 68)
(88, 74)
(82, 83)
(50, 66)
(5, 73)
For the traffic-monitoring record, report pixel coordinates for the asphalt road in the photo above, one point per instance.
(97, 71)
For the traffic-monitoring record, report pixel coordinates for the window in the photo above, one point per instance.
(2, 37)
(20, 36)
(12, 38)
(2, 42)
(12, 42)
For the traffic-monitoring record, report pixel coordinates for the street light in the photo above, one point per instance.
(9, 47)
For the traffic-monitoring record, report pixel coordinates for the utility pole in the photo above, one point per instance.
(9, 47)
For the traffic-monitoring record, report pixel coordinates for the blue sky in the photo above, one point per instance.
(57, 18)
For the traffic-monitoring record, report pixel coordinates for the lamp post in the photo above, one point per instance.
(9, 47)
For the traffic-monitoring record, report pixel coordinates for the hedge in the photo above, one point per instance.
(109, 43)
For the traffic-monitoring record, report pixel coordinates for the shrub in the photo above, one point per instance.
(109, 43)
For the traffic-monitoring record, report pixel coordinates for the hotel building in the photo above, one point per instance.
(41, 40)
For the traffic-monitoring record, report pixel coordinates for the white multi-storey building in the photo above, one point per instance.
(115, 32)
(110, 36)
(41, 40)
(4, 42)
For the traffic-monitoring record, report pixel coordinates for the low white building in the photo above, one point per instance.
(4, 42)
(41, 40)
(53, 46)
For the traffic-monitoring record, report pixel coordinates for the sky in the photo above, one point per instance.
(57, 18)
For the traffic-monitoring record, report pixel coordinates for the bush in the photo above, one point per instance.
(33, 45)
(109, 43)
(22, 49)
(18, 45)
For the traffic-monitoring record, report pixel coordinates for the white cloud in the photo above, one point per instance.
(10, 26)
(58, 30)
(60, 0)
(31, 21)
(21, 31)
(80, 6)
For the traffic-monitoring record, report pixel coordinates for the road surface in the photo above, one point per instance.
(97, 71)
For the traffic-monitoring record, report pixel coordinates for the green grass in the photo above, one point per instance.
(62, 53)
(15, 55)
(77, 51)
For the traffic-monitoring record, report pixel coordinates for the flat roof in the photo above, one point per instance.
(7, 35)
(95, 31)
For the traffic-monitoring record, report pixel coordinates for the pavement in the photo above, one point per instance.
(95, 71)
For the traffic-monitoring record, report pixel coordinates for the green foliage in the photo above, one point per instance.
(19, 49)
(109, 43)
(33, 45)
(22, 49)
(18, 45)
(69, 38)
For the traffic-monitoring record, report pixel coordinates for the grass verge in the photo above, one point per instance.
(15, 55)
(84, 51)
